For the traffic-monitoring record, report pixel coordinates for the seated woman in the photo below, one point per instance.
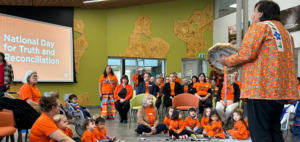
(148, 118)
(170, 90)
(203, 92)
(123, 93)
(29, 91)
(231, 102)
(44, 127)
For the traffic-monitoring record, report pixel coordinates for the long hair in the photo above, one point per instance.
(3, 57)
(144, 103)
(197, 80)
(205, 110)
(168, 109)
(270, 10)
(241, 114)
(214, 112)
(105, 73)
(203, 75)
(175, 114)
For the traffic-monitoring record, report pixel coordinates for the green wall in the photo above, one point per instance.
(107, 33)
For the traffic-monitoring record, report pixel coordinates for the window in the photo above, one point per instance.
(224, 7)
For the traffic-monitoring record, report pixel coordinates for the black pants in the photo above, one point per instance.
(207, 103)
(2, 90)
(264, 120)
(167, 101)
(158, 102)
(122, 108)
(172, 133)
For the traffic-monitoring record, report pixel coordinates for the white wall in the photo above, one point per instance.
(220, 30)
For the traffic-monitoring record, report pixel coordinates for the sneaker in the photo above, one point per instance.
(193, 136)
(111, 117)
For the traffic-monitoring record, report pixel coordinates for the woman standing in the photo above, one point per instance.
(29, 91)
(148, 118)
(203, 92)
(107, 82)
(123, 93)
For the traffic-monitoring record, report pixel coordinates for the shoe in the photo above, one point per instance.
(106, 117)
(124, 121)
(111, 117)
(121, 121)
(193, 136)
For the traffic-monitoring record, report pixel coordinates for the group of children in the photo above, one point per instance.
(211, 126)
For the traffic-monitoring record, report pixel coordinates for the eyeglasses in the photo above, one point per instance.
(35, 76)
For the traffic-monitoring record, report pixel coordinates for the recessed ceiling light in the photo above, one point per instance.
(91, 1)
(233, 5)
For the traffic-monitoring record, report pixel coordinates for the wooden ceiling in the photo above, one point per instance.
(109, 4)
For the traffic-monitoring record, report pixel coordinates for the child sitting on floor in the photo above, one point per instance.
(89, 126)
(205, 118)
(176, 129)
(62, 123)
(214, 128)
(168, 117)
(191, 123)
(240, 128)
(100, 132)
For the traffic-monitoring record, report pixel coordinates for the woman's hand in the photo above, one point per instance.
(222, 102)
(122, 100)
(153, 130)
(229, 103)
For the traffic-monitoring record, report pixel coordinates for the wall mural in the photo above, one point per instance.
(152, 48)
(191, 31)
(80, 43)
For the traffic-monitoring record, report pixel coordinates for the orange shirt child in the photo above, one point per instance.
(88, 137)
(202, 88)
(239, 131)
(150, 114)
(177, 125)
(99, 134)
(107, 82)
(215, 129)
(68, 132)
(204, 121)
(191, 122)
(42, 128)
(29, 92)
(172, 87)
(167, 121)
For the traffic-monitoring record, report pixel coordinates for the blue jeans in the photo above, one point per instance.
(143, 128)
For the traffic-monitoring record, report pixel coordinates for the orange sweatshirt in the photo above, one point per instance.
(204, 121)
(176, 125)
(99, 134)
(239, 131)
(68, 132)
(167, 121)
(88, 137)
(215, 129)
(191, 122)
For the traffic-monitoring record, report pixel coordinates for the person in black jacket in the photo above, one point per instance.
(146, 86)
(187, 88)
(170, 90)
(230, 101)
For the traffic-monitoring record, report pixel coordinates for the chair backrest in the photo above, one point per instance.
(185, 99)
(7, 118)
(138, 99)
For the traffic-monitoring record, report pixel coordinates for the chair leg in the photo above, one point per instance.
(130, 118)
(26, 136)
(19, 135)
(7, 137)
(12, 138)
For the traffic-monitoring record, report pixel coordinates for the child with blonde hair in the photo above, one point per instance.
(62, 123)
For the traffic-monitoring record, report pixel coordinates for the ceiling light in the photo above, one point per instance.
(233, 5)
(91, 1)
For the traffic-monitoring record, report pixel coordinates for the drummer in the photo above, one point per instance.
(203, 92)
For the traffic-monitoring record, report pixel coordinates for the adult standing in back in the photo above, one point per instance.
(107, 84)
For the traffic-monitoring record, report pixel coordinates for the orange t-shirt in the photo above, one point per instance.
(150, 114)
(161, 81)
(204, 121)
(239, 83)
(68, 132)
(99, 134)
(147, 88)
(202, 88)
(167, 121)
(239, 131)
(192, 123)
(230, 93)
(135, 78)
(159, 86)
(172, 87)
(215, 129)
(299, 87)
(30, 92)
(105, 83)
(42, 128)
(186, 89)
(88, 137)
(176, 125)
(177, 80)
